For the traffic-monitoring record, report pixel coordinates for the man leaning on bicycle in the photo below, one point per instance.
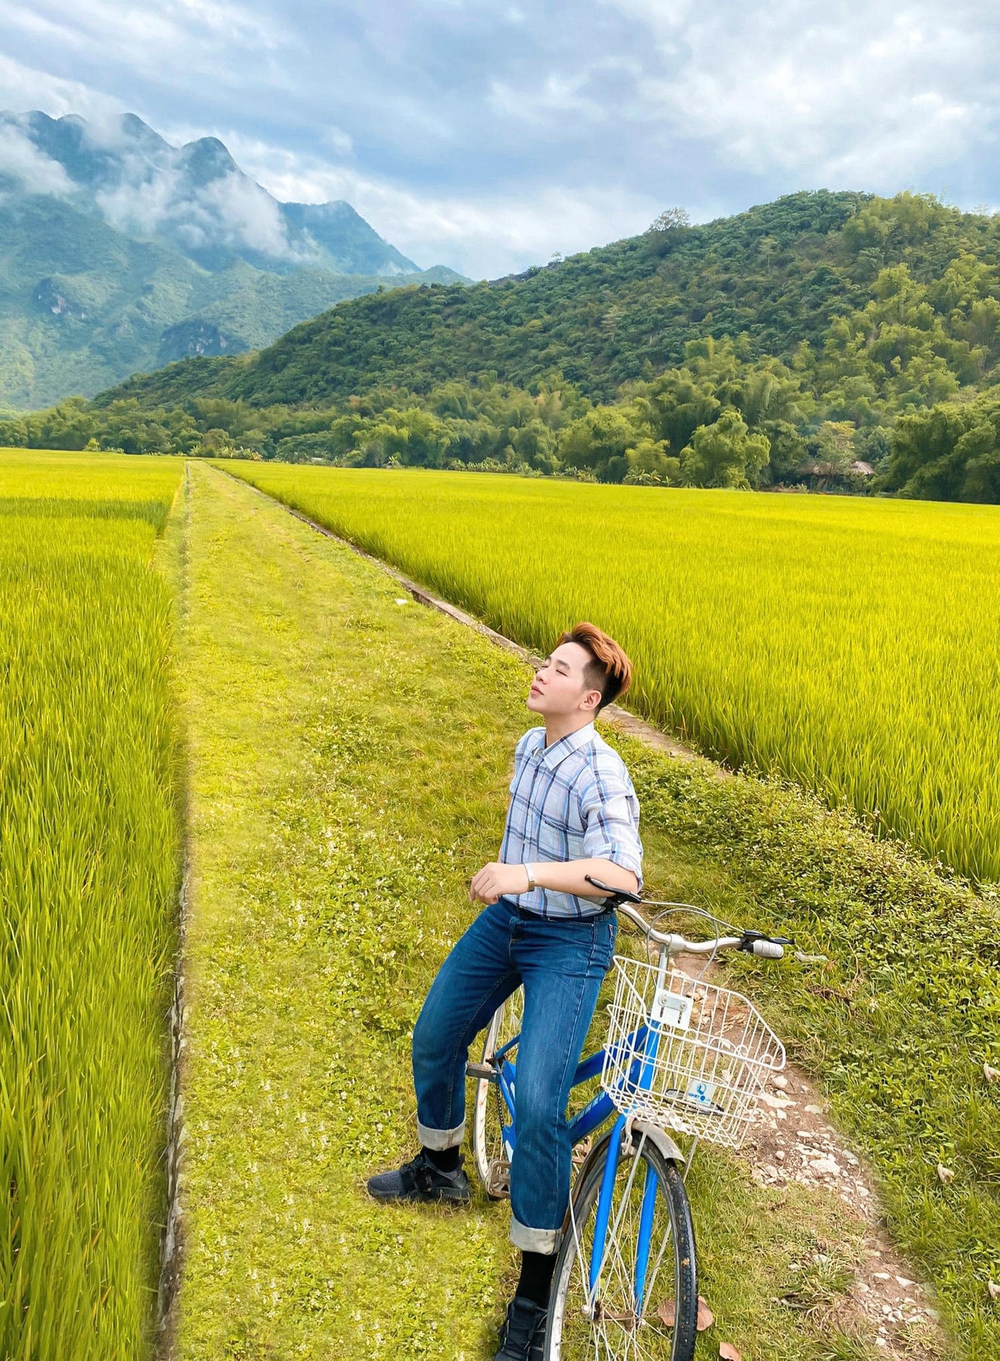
(572, 812)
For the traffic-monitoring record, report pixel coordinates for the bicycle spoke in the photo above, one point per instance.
(606, 1325)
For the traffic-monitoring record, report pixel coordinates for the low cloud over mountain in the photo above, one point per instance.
(122, 252)
(194, 198)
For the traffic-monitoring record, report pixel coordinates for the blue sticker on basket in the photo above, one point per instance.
(701, 1092)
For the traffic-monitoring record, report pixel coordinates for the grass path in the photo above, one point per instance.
(902, 1029)
(348, 758)
(323, 894)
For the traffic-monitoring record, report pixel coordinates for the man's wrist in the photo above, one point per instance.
(529, 871)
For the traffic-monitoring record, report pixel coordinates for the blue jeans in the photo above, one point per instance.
(561, 964)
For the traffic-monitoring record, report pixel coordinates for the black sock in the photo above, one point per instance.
(444, 1159)
(536, 1277)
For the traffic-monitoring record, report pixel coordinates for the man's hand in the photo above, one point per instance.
(495, 879)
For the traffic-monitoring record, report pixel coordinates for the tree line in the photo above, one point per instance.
(715, 421)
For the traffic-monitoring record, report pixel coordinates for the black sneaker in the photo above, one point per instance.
(421, 1180)
(522, 1337)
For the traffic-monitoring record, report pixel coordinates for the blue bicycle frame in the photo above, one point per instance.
(644, 1043)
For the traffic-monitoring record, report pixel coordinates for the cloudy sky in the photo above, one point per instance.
(488, 135)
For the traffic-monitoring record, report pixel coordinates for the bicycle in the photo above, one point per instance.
(682, 1056)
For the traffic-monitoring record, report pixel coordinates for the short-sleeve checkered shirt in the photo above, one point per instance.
(571, 801)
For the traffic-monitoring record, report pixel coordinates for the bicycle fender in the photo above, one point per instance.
(659, 1137)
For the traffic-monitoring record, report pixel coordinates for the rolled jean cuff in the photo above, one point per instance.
(439, 1139)
(534, 1240)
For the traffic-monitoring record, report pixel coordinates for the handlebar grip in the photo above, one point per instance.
(768, 949)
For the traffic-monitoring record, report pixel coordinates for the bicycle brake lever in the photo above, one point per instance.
(750, 939)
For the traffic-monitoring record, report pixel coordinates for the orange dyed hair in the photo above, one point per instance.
(609, 669)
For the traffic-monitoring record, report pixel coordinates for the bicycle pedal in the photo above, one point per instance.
(483, 1072)
(498, 1179)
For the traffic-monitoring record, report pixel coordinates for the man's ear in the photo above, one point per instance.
(594, 695)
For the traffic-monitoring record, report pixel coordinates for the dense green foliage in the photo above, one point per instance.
(789, 633)
(814, 342)
(596, 320)
(702, 409)
(89, 860)
(895, 300)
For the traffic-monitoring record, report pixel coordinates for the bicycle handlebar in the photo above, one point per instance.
(752, 942)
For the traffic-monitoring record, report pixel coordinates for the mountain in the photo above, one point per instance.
(598, 319)
(194, 199)
(120, 252)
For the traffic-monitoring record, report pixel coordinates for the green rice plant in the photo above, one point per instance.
(89, 838)
(850, 645)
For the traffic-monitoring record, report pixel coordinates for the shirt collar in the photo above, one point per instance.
(551, 756)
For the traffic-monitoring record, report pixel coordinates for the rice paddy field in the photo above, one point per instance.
(851, 646)
(330, 823)
(89, 841)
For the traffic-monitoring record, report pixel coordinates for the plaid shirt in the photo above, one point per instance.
(571, 801)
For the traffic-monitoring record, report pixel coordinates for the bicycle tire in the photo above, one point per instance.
(487, 1144)
(617, 1330)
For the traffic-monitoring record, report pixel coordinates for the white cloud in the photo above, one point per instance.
(558, 95)
(138, 206)
(26, 87)
(245, 215)
(150, 195)
(34, 171)
(483, 235)
(339, 141)
(229, 211)
(489, 135)
(181, 37)
(848, 93)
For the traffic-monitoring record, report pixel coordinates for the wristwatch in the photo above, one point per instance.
(531, 878)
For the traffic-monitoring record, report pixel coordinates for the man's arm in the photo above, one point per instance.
(495, 880)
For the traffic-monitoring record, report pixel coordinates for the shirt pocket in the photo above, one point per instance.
(552, 837)
(560, 839)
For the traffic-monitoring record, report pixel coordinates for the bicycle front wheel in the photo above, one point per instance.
(643, 1304)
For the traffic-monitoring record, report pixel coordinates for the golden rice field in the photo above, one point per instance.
(850, 645)
(89, 838)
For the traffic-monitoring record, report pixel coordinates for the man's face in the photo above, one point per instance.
(560, 688)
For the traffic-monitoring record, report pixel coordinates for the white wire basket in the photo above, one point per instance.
(706, 1054)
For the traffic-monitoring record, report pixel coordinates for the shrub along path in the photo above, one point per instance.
(348, 758)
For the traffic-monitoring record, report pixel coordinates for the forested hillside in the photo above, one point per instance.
(812, 341)
(595, 320)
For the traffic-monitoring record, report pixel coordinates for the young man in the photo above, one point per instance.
(572, 812)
